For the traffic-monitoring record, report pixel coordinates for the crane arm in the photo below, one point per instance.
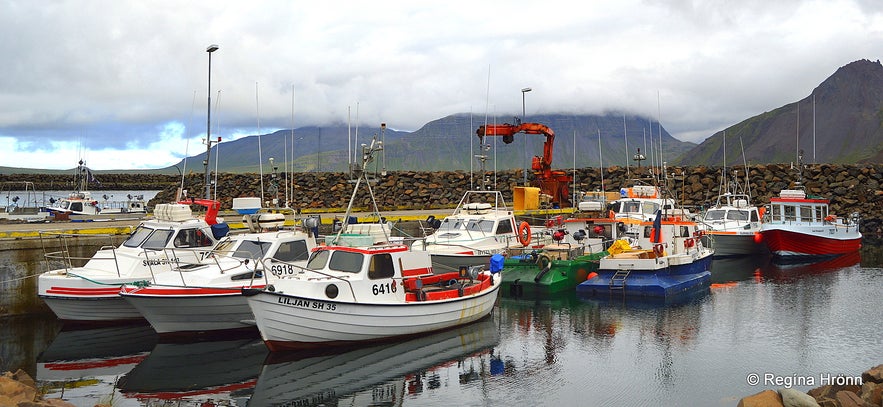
(508, 131)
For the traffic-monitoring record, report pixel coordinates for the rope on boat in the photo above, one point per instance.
(18, 279)
(99, 282)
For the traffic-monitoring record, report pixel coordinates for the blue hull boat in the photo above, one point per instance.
(667, 281)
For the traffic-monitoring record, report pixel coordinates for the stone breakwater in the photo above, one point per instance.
(840, 391)
(851, 188)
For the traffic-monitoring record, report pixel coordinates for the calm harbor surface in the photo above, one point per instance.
(791, 325)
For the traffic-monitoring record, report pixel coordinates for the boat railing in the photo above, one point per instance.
(304, 270)
(67, 242)
(172, 260)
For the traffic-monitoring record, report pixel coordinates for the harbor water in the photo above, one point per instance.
(761, 326)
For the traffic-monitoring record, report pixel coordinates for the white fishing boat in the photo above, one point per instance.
(732, 225)
(78, 202)
(481, 226)
(90, 293)
(207, 297)
(19, 201)
(356, 293)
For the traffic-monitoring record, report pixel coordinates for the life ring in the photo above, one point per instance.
(830, 218)
(524, 234)
(657, 249)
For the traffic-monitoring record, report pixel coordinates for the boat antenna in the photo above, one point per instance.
(600, 160)
(257, 108)
(625, 135)
(745, 164)
(218, 153)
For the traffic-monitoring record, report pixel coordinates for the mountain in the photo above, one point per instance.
(448, 143)
(841, 121)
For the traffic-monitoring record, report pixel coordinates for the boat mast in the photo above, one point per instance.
(367, 156)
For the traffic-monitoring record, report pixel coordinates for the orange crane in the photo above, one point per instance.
(551, 182)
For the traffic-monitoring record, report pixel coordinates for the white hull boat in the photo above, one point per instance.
(369, 293)
(330, 307)
(479, 227)
(208, 297)
(91, 293)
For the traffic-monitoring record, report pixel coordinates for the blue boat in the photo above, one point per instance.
(662, 258)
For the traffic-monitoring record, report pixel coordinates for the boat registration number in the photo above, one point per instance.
(299, 303)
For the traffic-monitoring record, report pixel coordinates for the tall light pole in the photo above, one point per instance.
(208, 126)
(524, 144)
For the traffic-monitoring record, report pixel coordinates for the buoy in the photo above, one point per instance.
(758, 237)
(591, 275)
(657, 248)
(524, 234)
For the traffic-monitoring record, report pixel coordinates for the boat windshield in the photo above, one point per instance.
(650, 207)
(138, 236)
(158, 239)
(737, 215)
(715, 214)
(450, 225)
(480, 225)
(318, 260)
(348, 262)
(630, 207)
(251, 249)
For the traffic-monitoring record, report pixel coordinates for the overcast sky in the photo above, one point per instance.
(123, 84)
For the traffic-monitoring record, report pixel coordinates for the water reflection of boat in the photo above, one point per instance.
(779, 269)
(196, 370)
(732, 269)
(305, 379)
(81, 353)
(617, 299)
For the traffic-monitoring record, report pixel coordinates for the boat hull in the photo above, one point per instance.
(76, 299)
(191, 310)
(734, 244)
(293, 322)
(810, 241)
(669, 280)
(526, 277)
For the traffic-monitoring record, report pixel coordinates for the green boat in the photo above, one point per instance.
(551, 270)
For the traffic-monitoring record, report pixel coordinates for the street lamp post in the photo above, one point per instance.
(524, 144)
(208, 126)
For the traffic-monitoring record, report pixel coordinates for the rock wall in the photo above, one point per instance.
(851, 188)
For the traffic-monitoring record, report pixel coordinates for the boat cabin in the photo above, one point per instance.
(794, 206)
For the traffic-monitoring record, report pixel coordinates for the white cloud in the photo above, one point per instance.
(108, 76)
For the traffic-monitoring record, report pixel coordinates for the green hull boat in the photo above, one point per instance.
(540, 273)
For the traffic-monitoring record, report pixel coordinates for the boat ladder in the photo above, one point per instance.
(617, 282)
